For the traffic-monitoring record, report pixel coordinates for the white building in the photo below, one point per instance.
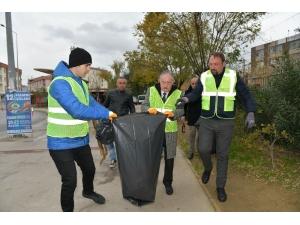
(96, 83)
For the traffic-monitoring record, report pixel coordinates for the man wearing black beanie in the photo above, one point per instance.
(79, 56)
(70, 107)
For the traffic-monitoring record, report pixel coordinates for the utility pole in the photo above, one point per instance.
(10, 54)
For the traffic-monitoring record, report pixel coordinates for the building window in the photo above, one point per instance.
(260, 63)
(259, 53)
(271, 61)
(276, 49)
(279, 48)
(296, 57)
(294, 44)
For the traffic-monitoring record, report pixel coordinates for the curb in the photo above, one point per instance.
(211, 199)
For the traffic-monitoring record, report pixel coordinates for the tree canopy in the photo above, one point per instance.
(182, 42)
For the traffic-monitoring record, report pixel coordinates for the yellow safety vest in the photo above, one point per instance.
(218, 102)
(156, 102)
(60, 123)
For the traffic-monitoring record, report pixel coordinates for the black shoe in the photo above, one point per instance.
(221, 194)
(190, 155)
(95, 197)
(169, 190)
(205, 177)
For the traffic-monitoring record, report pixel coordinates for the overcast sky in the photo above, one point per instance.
(44, 39)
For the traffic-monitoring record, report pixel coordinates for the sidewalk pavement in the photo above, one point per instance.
(30, 182)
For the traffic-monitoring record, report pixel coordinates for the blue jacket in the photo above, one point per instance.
(62, 92)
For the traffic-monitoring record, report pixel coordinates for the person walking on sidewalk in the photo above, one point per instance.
(162, 97)
(192, 113)
(119, 101)
(217, 88)
(70, 107)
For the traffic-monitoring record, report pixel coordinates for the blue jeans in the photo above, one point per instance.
(111, 151)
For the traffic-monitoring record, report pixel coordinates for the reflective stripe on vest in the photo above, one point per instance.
(155, 101)
(60, 123)
(221, 101)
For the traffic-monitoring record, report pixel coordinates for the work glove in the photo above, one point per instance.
(112, 115)
(152, 110)
(180, 103)
(169, 114)
(250, 121)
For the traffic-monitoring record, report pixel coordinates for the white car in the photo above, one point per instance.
(141, 98)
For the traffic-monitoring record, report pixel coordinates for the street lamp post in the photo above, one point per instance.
(17, 55)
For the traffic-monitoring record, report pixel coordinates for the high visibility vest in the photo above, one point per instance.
(155, 101)
(218, 102)
(60, 123)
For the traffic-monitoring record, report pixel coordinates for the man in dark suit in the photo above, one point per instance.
(191, 114)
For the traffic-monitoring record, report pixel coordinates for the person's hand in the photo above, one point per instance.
(112, 115)
(250, 121)
(152, 110)
(180, 103)
(169, 114)
(181, 120)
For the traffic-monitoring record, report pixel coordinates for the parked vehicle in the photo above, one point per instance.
(141, 98)
(135, 100)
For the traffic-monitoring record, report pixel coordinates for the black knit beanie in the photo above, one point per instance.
(79, 56)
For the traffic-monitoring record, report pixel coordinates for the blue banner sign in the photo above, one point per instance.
(18, 112)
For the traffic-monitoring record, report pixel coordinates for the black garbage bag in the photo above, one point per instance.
(105, 132)
(139, 140)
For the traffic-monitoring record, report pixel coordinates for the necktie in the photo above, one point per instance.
(164, 97)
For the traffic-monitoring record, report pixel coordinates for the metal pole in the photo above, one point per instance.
(10, 53)
(18, 76)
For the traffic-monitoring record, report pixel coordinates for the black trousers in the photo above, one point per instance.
(65, 164)
(169, 166)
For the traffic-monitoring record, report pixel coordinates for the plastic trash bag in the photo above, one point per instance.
(104, 132)
(139, 140)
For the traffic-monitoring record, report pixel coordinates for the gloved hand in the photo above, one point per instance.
(112, 115)
(250, 121)
(152, 110)
(169, 114)
(180, 103)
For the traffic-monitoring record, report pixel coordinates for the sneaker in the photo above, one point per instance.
(95, 197)
(112, 163)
